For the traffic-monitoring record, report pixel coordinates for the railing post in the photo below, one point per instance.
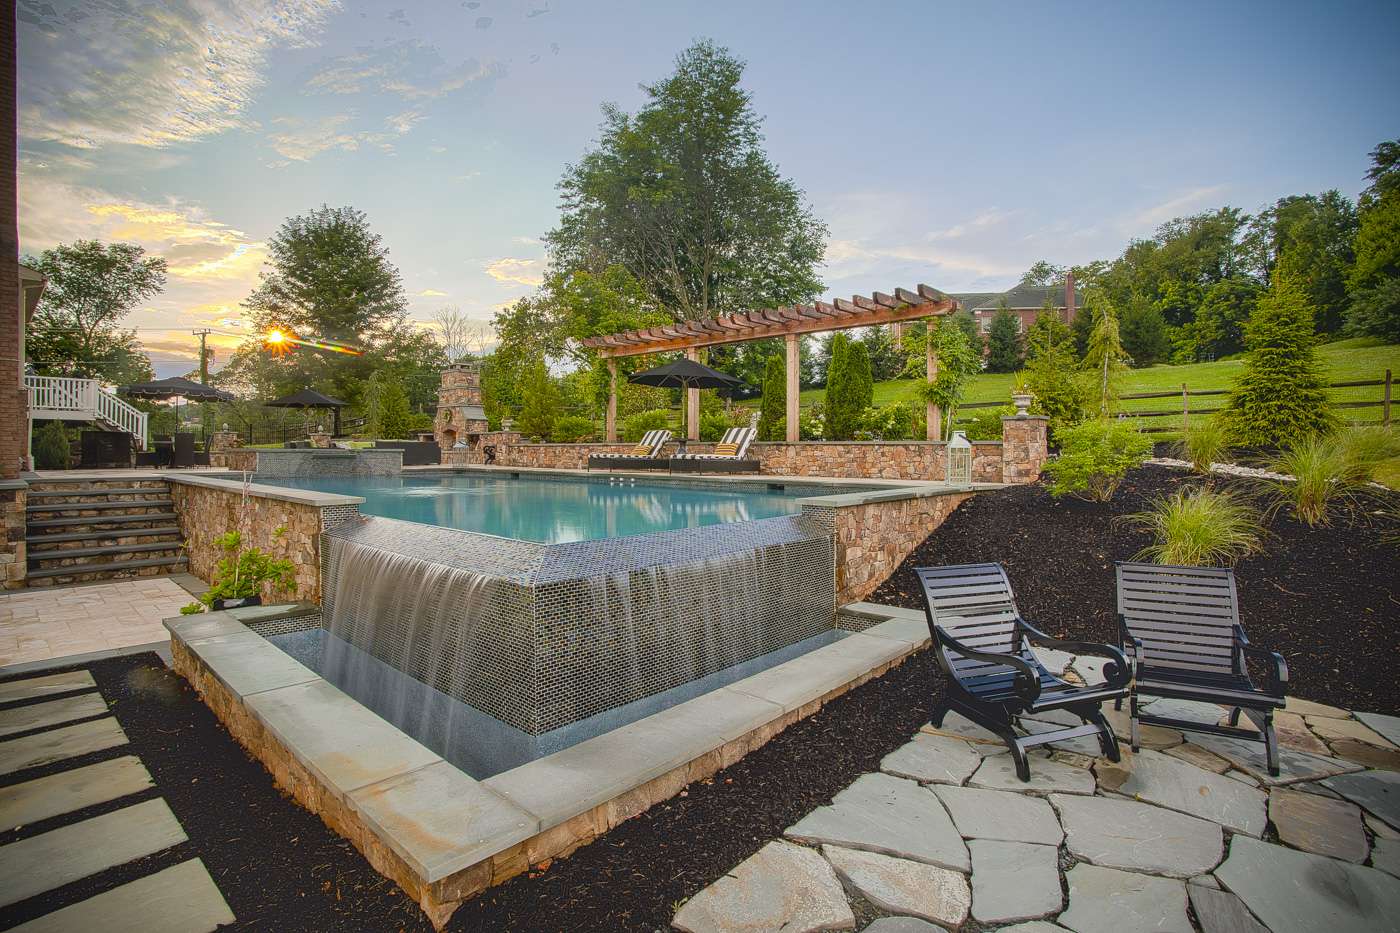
(1385, 405)
(1185, 410)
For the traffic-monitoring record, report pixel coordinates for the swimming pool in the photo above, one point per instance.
(558, 510)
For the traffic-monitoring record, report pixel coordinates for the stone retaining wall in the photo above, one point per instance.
(14, 496)
(206, 512)
(241, 459)
(874, 538)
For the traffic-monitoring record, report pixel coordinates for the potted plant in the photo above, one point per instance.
(1021, 395)
(239, 578)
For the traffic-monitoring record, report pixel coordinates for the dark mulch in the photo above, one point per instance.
(1326, 598)
(281, 869)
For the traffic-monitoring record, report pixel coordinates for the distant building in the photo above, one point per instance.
(1024, 301)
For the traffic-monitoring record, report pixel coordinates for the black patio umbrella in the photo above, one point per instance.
(310, 398)
(176, 387)
(685, 374)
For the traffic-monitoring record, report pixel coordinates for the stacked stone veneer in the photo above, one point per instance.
(1024, 448)
(13, 498)
(242, 460)
(311, 462)
(459, 415)
(206, 512)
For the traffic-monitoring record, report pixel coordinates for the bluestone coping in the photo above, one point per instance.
(307, 497)
(248, 664)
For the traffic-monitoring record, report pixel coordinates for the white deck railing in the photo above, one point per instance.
(83, 399)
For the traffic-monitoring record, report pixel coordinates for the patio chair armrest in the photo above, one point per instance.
(1116, 671)
(1278, 667)
(1027, 680)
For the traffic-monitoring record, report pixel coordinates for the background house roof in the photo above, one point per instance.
(1020, 297)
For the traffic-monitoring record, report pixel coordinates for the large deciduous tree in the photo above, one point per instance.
(76, 330)
(682, 195)
(1315, 235)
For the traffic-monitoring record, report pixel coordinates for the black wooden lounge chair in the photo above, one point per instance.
(1180, 627)
(645, 456)
(984, 647)
(729, 455)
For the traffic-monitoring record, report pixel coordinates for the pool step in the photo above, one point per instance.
(87, 530)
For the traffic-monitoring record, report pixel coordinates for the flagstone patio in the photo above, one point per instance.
(58, 622)
(1191, 833)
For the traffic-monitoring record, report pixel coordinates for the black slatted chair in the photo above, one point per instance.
(1180, 627)
(984, 647)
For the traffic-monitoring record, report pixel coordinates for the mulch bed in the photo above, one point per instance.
(1326, 597)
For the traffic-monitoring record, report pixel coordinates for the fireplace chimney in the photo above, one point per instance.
(1069, 297)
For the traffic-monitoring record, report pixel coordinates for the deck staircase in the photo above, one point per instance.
(94, 529)
(64, 399)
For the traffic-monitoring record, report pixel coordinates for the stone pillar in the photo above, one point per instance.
(13, 496)
(320, 439)
(793, 372)
(459, 413)
(933, 416)
(224, 440)
(610, 423)
(1024, 447)
(692, 403)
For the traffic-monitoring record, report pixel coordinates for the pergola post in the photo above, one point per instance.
(610, 421)
(793, 372)
(692, 402)
(932, 414)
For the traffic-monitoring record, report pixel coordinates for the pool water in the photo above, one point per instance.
(561, 509)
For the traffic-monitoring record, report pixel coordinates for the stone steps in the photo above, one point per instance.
(88, 572)
(70, 507)
(87, 530)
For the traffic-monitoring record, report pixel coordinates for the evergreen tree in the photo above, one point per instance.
(773, 409)
(1374, 281)
(52, 451)
(1052, 373)
(387, 413)
(1104, 356)
(1082, 327)
(862, 379)
(539, 402)
(842, 404)
(1144, 333)
(1281, 396)
(1004, 342)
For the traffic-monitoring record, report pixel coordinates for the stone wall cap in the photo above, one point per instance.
(308, 497)
(1025, 417)
(919, 491)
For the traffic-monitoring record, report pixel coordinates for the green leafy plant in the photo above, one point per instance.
(811, 424)
(635, 426)
(51, 448)
(1052, 374)
(849, 387)
(539, 402)
(1203, 444)
(985, 425)
(1324, 473)
(894, 422)
(1094, 458)
(957, 362)
(1198, 528)
(242, 572)
(570, 428)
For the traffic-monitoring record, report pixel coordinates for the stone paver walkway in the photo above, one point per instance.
(53, 622)
(62, 824)
(1192, 834)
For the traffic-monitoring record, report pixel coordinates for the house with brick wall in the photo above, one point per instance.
(1024, 301)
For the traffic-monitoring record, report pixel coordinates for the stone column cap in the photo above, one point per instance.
(1026, 417)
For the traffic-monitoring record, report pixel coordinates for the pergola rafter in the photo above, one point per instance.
(789, 323)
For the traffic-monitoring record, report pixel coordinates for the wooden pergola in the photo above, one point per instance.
(788, 323)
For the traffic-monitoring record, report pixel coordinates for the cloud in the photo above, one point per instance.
(1160, 213)
(152, 75)
(401, 123)
(302, 140)
(991, 217)
(407, 69)
(431, 293)
(517, 271)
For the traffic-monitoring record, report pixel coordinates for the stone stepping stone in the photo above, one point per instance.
(1309, 708)
(779, 887)
(886, 814)
(1105, 900)
(1334, 729)
(900, 886)
(33, 687)
(1293, 733)
(1296, 892)
(1388, 726)
(67, 791)
(1176, 785)
(1056, 662)
(960, 727)
(52, 713)
(1089, 668)
(55, 858)
(1385, 855)
(1202, 758)
(1207, 714)
(1364, 753)
(44, 748)
(1047, 775)
(1377, 792)
(1222, 912)
(1293, 765)
(1137, 836)
(1014, 881)
(182, 899)
(935, 758)
(1317, 824)
(995, 814)
(902, 925)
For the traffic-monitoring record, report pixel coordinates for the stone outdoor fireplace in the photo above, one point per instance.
(460, 417)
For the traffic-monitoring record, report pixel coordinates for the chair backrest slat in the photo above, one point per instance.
(973, 603)
(1185, 616)
(744, 438)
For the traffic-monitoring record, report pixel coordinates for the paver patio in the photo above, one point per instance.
(1193, 837)
(54, 622)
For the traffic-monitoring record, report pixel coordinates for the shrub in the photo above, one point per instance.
(849, 387)
(713, 424)
(1004, 342)
(986, 424)
(634, 426)
(1366, 448)
(1281, 397)
(1198, 528)
(1094, 458)
(1052, 374)
(1203, 444)
(387, 413)
(774, 405)
(571, 428)
(1323, 473)
(894, 422)
(810, 424)
(51, 448)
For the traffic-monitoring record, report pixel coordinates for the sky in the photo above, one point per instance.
(951, 144)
